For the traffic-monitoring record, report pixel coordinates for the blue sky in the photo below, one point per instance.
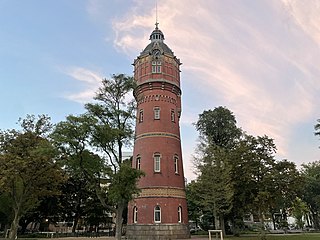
(260, 59)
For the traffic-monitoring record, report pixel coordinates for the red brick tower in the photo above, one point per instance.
(160, 210)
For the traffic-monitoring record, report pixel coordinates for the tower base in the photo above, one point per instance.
(157, 231)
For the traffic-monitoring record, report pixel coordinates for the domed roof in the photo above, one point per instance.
(157, 38)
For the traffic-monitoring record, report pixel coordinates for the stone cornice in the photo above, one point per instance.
(157, 134)
(162, 192)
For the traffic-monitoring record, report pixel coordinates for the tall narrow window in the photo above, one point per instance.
(156, 111)
(157, 158)
(135, 214)
(157, 214)
(179, 214)
(141, 115)
(138, 162)
(176, 169)
(173, 117)
(156, 66)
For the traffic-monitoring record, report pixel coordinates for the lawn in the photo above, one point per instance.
(307, 236)
(310, 236)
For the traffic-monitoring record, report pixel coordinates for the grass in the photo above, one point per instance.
(306, 236)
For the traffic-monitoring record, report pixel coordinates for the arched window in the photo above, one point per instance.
(176, 166)
(141, 115)
(156, 111)
(173, 117)
(157, 214)
(179, 214)
(157, 159)
(135, 214)
(138, 162)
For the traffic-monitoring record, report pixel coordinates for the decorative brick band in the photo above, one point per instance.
(157, 134)
(162, 192)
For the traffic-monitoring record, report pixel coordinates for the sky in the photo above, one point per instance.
(260, 59)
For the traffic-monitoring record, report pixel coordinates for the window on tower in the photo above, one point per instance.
(138, 162)
(135, 214)
(179, 214)
(176, 166)
(156, 66)
(173, 117)
(141, 115)
(157, 214)
(156, 111)
(157, 159)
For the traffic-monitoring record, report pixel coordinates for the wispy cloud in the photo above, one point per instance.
(90, 82)
(258, 58)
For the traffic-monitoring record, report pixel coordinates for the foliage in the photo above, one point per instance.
(92, 145)
(218, 127)
(238, 173)
(311, 190)
(317, 128)
(28, 166)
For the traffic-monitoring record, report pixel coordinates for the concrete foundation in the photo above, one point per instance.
(157, 231)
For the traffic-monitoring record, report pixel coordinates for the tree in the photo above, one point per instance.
(218, 127)
(317, 128)
(28, 167)
(5, 211)
(218, 136)
(252, 161)
(106, 128)
(311, 190)
(286, 185)
(299, 210)
(194, 202)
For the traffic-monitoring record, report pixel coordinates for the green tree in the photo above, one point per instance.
(5, 212)
(299, 210)
(317, 128)
(252, 160)
(311, 190)
(218, 127)
(286, 186)
(194, 201)
(107, 128)
(28, 167)
(218, 136)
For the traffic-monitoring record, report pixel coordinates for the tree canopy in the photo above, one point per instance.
(28, 166)
(93, 144)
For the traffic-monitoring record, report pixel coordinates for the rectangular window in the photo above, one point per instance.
(156, 112)
(156, 66)
(156, 159)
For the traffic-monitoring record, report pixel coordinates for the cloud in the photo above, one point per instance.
(90, 84)
(258, 58)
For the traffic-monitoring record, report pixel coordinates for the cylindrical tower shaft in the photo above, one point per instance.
(160, 210)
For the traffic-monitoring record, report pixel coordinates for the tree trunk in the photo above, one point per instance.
(273, 221)
(222, 225)
(262, 232)
(14, 224)
(119, 220)
(216, 220)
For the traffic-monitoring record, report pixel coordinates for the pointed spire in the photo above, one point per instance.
(157, 15)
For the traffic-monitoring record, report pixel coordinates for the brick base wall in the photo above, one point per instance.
(157, 231)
